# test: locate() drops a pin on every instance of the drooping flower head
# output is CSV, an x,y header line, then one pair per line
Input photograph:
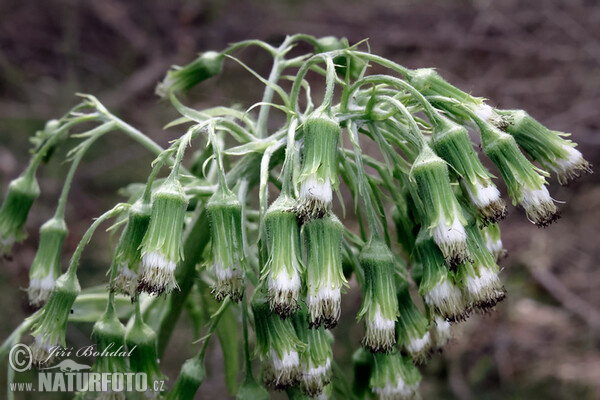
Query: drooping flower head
x,y
413,326
45,268
21,194
161,246
49,324
190,377
525,182
441,208
380,304
483,290
109,335
437,285
394,377
127,256
451,142
278,346
324,274
141,343
318,175
546,146
316,360
225,214
283,270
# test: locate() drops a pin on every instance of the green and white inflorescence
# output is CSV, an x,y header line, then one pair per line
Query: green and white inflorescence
x,y
250,218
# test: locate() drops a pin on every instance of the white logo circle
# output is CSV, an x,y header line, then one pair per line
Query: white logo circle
x,y
20,357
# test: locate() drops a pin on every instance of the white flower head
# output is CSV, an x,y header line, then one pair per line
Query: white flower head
x,y
571,167
282,372
451,238
324,307
486,197
39,289
315,377
284,290
380,335
484,290
126,281
539,206
446,299
442,332
230,281
158,274
42,350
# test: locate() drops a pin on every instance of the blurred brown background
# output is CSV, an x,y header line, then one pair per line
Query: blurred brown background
x,y
540,55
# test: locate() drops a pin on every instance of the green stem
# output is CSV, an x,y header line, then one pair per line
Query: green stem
x,y
246,342
263,114
116,210
94,135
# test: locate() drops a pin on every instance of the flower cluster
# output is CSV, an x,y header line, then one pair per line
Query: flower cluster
x,y
212,229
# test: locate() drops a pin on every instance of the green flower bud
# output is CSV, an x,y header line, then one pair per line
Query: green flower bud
x,y
380,304
190,378
429,82
394,377
451,142
318,175
493,241
483,290
127,256
362,361
413,328
545,146
278,345
22,192
437,284
141,343
523,180
109,334
49,324
45,268
443,213
161,247
316,360
182,79
252,390
324,273
225,214
283,269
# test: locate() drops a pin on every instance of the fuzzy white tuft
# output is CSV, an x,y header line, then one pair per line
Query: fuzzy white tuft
x,y
446,299
314,189
539,206
324,306
495,247
41,350
442,332
126,281
284,290
485,290
230,281
281,373
39,290
569,168
158,273
380,334
396,391
486,113
418,346
451,238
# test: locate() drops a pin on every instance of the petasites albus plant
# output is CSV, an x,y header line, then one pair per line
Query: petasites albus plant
x,y
202,234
